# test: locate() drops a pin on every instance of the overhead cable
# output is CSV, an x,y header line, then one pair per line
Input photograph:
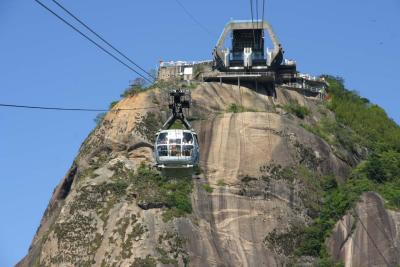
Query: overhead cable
x,y
262,17
91,40
101,38
370,237
252,22
257,13
72,109
263,10
193,18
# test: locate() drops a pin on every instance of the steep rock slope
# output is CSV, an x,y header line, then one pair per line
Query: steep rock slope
x,y
368,235
255,192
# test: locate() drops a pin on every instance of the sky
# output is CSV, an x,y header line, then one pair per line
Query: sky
x,y
43,62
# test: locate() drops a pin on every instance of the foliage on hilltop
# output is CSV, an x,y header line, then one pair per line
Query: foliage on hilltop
x,y
367,119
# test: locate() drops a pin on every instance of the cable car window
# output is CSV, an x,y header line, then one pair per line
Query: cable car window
x,y
175,141
187,150
162,151
162,138
187,138
175,150
195,137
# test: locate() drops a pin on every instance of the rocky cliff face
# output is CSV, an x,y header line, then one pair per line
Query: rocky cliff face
x,y
368,235
254,194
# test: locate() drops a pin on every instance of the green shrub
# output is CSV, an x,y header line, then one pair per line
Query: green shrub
x,y
172,213
137,86
208,188
99,118
178,194
174,194
368,120
297,110
131,91
382,171
335,133
285,242
390,191
326,261
234,108
146,262
112,104
221,182
384,166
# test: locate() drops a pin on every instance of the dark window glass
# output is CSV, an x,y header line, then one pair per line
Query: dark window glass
x,y
162,151
162,138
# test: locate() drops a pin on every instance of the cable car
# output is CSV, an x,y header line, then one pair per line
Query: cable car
x,y
177,149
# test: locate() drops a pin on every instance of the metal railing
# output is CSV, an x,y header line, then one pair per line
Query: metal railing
x,y
309,77
183,63
238,74
315,89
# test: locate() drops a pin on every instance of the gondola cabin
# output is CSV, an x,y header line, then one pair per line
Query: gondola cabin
x,y
176,149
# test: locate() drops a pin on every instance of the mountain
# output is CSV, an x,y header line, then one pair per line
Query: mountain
x,y
283,181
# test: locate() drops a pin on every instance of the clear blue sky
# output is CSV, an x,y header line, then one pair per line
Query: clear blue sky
x,y
42,62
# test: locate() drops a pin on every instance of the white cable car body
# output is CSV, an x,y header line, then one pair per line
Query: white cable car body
x,y
176,149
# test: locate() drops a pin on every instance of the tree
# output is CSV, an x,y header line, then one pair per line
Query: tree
x,y
138,83
136,86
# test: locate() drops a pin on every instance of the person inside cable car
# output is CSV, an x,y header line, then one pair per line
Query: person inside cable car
x,y
175,150
162,139
187,150
187,138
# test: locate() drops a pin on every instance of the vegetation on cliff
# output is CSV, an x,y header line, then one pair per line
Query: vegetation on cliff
x,y
357,123
297,109
153,190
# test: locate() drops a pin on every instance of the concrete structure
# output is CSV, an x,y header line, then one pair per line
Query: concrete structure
x,y
247,60
182,70
247,47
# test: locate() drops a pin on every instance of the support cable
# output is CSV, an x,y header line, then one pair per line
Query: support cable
x,y
257,14
101,38
72,109
252,21
348,236
263,10
91,40
370,237
193,18
262,22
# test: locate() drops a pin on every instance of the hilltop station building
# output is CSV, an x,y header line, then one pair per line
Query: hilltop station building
x,y
241,57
